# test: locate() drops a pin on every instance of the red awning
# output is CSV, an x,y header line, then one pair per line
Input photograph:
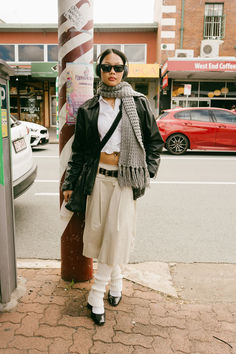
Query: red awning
x,y
201,69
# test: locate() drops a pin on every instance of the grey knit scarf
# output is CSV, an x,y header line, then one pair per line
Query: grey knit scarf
x,y
132,166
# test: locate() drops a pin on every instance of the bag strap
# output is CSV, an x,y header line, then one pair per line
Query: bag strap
x,y
111,129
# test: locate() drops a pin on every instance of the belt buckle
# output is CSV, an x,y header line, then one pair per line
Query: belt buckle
x,y
106,173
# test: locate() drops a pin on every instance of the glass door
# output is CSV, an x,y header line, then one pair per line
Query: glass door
x,y
53,111
190,102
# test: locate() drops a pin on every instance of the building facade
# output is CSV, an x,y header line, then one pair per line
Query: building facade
x,y
197,53
32,50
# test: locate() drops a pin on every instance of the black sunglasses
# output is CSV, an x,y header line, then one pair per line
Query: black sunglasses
x,y
106,68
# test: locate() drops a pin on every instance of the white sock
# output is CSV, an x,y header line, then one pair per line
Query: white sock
x,y
99,310
115,293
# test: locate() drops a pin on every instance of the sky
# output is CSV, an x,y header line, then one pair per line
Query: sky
x,y
105,11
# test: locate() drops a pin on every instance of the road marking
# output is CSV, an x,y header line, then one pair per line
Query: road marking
x,y
48,194
47,180
153,182
45,157
200,158
193,182
162,158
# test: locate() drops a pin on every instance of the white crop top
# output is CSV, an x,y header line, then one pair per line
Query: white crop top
x,y
105,119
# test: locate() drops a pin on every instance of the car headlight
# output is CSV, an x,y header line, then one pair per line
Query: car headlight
x,y
33,130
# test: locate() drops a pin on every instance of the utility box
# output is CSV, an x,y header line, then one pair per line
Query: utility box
x,y
8,277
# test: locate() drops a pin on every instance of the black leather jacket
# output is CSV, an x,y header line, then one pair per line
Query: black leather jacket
x,y
85,147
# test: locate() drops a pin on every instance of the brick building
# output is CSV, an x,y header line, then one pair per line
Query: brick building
x,y
197,52
32,51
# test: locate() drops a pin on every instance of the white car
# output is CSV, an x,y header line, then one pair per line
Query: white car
x,y
38,133
24,170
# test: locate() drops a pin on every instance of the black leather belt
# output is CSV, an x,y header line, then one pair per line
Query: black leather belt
x,y
108,173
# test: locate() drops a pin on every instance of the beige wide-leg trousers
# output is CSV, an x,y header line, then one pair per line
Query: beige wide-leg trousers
x,y
110,221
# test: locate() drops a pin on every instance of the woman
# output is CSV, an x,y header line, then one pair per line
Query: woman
x,y
115,176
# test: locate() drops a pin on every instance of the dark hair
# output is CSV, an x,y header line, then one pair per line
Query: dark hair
x,y
109,51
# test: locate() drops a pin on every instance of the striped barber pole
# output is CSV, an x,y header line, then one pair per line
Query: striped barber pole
x,y
75,40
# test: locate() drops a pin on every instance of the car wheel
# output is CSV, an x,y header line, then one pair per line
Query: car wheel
x,y
177,144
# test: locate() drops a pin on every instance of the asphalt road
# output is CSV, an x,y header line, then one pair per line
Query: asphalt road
x,y
187,215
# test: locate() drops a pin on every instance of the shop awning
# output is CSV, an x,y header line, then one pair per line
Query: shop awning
x,y
39,69
144,70
148,71
193,69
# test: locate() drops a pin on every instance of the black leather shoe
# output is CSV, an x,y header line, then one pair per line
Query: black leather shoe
x,y
98,319
114,300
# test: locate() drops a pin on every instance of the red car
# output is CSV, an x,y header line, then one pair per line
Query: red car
x,y
198,128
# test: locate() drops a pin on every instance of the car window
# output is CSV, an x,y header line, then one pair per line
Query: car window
x,y
163,115
200,115
224,116
14,121
182,115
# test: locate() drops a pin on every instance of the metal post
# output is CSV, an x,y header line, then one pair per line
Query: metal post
x,y
8,276
75,39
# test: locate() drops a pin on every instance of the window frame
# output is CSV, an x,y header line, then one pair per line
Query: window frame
x,y
45,51
99,51
211,24
28,45
14,53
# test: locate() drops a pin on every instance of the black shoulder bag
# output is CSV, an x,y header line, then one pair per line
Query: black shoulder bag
x,y
77,201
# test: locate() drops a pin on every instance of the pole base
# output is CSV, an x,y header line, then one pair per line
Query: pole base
x,y
74,266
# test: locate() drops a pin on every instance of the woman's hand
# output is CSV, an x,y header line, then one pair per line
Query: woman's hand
x,y
67,195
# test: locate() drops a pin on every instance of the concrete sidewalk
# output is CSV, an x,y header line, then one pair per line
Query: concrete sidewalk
x,y
192,310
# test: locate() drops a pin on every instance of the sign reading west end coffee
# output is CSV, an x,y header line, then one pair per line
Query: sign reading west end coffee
x,y
201,65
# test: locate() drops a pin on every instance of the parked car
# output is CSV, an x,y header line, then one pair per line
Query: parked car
x,y
24,170
198,128
38,133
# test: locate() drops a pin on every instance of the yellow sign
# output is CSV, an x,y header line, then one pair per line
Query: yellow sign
x,y
144,70
4,123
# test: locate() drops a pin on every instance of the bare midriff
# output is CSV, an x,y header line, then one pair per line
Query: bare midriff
x,y
110,159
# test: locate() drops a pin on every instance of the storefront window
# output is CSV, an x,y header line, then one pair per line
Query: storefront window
x,y
26,102
7,52
31,53
52,52
179,89
143,88
231,89
212,89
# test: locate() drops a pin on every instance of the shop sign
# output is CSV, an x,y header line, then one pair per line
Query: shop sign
x,y
165,81
3,111
187,89
201,65
39,69
79,88
1,156
144,70
1,145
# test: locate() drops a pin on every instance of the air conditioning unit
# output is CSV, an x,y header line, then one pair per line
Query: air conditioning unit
x,y
184,53
164,46
210,48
